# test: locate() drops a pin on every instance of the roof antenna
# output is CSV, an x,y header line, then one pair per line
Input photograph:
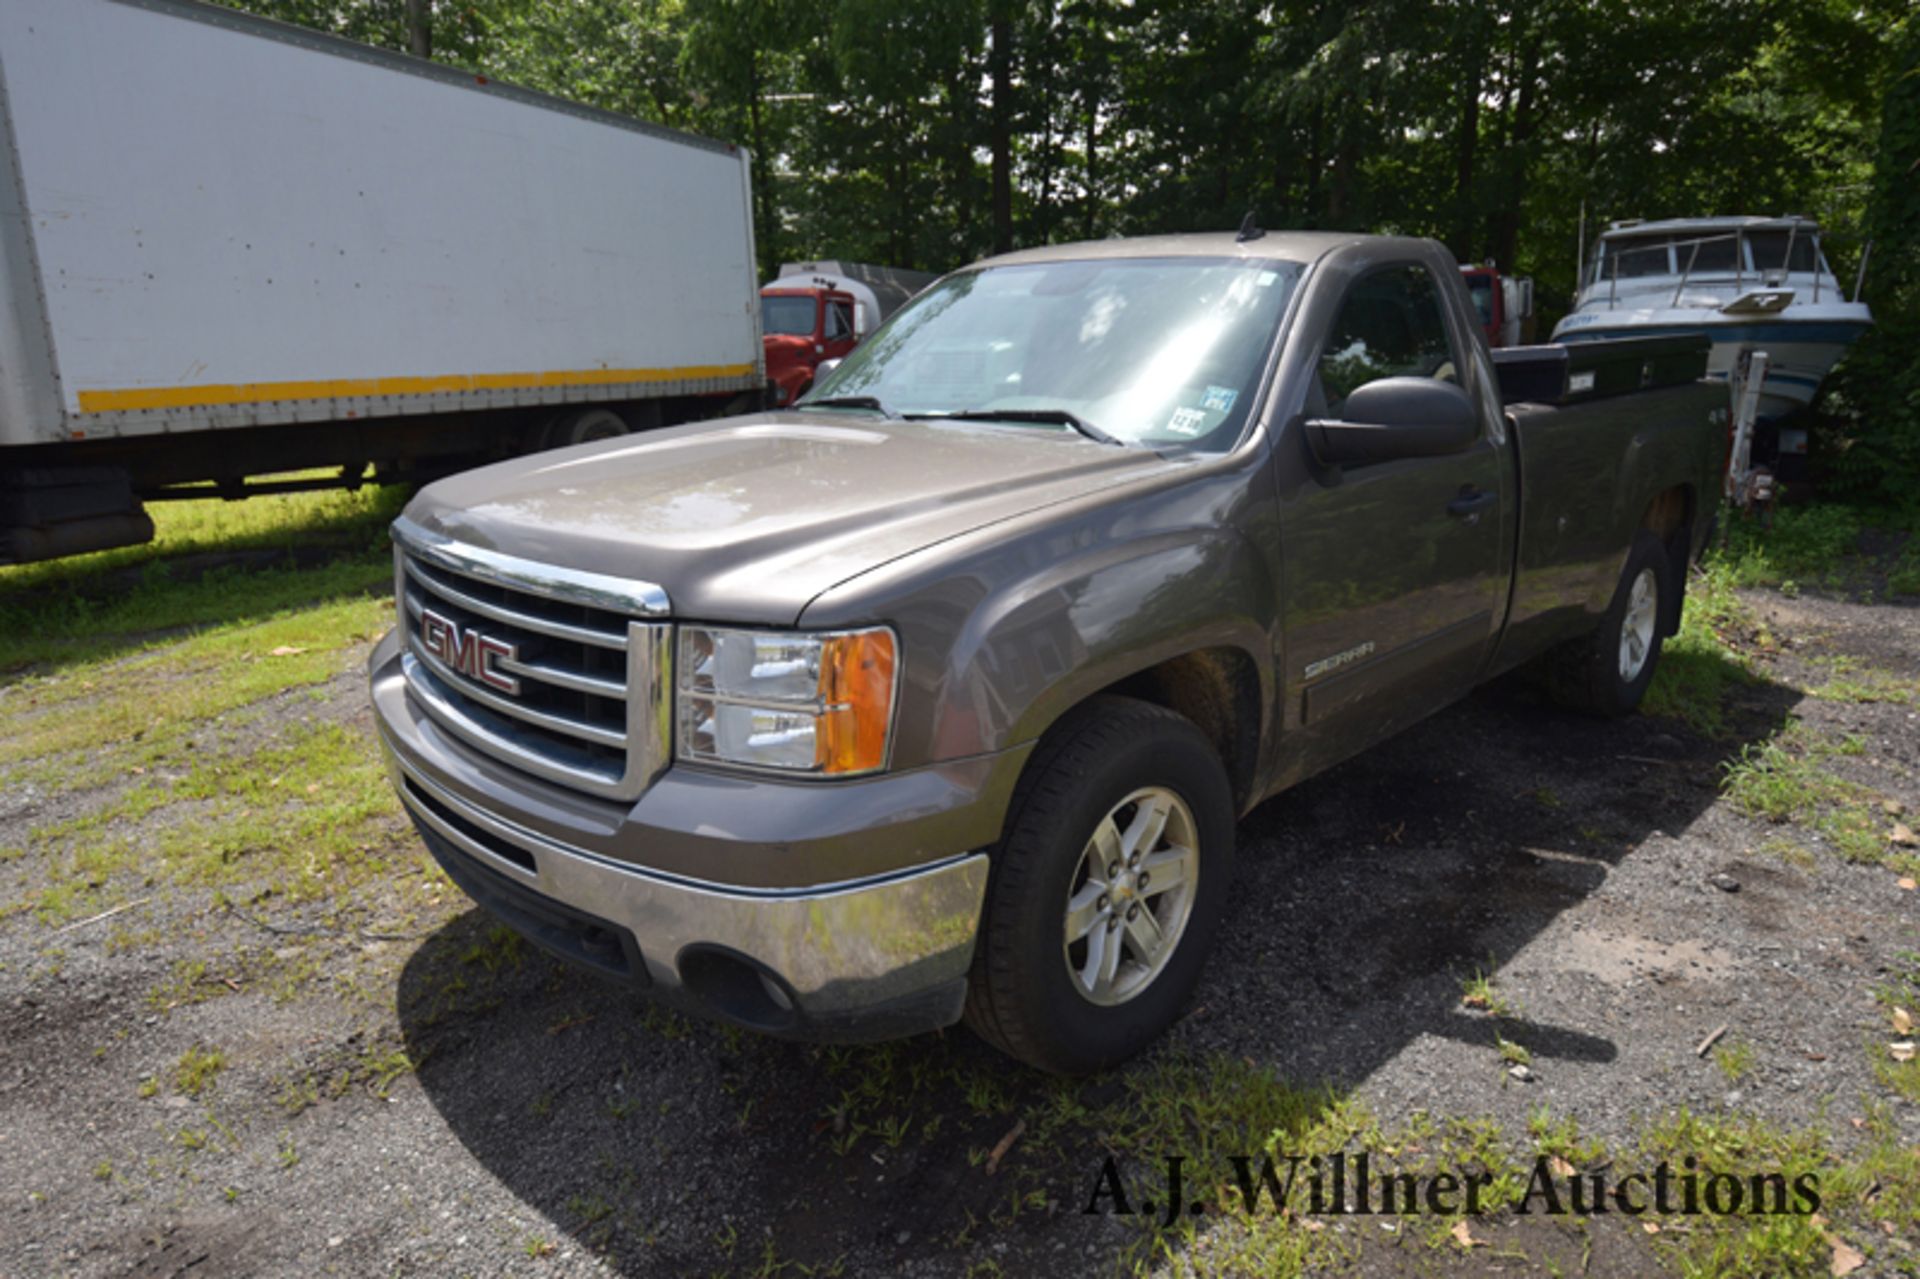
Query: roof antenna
x,y
1249,229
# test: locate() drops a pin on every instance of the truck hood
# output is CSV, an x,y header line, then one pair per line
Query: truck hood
x,y
749,519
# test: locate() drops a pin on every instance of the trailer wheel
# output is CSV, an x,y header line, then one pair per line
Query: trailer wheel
x,y
583,426
1108,886
1607,673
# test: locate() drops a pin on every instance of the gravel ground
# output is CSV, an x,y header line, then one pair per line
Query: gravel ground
x,y
406,1091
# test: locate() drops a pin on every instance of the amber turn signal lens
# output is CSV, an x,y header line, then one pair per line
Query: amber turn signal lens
x,y
856,693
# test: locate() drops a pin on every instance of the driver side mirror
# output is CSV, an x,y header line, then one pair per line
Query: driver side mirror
x,y
1396,417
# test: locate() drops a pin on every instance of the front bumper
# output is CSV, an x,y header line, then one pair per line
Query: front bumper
x,y
870,958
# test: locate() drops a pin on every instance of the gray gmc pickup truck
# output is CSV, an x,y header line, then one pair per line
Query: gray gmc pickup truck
x,y
939,695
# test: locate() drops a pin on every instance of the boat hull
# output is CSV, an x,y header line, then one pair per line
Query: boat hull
x,y
1800,350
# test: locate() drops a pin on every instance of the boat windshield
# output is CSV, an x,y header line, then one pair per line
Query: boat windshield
x,y
1711,254
1769,251
1151,351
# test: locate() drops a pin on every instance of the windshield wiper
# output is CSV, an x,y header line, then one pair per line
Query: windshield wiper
x,y
1059,417
873,402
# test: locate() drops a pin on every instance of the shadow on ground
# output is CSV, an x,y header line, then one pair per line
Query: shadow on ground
x,y
667,1146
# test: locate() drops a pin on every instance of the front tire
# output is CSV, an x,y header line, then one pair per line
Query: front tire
x,y
1107,888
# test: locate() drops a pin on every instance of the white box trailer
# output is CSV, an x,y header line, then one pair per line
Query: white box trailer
x,y
231,247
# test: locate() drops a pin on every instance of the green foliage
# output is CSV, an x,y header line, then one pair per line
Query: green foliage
x,y
1873,397
1702,665
1802,544
876,125
195,1072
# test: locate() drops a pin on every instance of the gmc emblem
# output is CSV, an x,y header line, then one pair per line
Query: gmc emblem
x,y
468,651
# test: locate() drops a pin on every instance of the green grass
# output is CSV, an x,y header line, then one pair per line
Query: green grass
x,y
1856,1191
1708,659
1735,1060
1512,1053
197,1069
89,606
1479,991
1210,1110
1788,780
1899,999
1852,680
1703,663
1805,543
1821,545
189,703
1904,577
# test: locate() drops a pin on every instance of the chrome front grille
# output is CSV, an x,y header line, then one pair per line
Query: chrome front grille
x,y
552,671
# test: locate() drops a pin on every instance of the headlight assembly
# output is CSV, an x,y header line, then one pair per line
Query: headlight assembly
x,y
786,701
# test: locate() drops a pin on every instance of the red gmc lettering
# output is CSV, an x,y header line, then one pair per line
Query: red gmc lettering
x,y
467,651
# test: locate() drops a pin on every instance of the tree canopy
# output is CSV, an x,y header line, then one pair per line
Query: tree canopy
x,y
927,133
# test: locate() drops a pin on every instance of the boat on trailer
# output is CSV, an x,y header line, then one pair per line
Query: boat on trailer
x,y
1747,283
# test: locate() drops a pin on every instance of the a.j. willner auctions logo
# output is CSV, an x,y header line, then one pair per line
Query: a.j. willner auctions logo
x,y
1347,1185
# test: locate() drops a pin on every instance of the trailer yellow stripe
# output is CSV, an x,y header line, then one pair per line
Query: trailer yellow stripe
x,y
214,394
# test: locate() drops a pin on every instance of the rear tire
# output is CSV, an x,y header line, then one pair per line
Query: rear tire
x,y
583,426
1081,965
1608,672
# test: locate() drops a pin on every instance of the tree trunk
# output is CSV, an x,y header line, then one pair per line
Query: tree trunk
x,y
1002,129
420,28
765,215
1316,159
1340,190
1466,144
1505,241
1049,153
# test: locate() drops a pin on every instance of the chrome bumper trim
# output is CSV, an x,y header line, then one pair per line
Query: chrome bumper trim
x,y
840,947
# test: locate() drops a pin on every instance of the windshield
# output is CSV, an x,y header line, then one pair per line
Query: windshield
x,y
1158,351
787,315
1480,289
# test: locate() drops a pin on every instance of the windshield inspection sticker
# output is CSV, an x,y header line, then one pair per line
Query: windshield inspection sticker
x,y
1219,399
1186,421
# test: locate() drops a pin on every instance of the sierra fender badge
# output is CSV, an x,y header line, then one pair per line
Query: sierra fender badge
x,y
1325,664
467,651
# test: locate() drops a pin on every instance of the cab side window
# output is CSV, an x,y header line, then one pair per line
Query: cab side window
x,y
839,321
1391,325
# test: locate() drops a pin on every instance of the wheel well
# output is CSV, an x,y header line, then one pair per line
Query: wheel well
x,y
1669,517
1219,690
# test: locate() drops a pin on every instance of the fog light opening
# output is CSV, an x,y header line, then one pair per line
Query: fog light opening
x,y
737,988
775,993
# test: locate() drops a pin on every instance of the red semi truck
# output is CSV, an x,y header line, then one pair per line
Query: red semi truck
x,y
1504,304
819,311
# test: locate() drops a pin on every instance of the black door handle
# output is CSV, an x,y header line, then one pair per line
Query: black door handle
x,y
1470,503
